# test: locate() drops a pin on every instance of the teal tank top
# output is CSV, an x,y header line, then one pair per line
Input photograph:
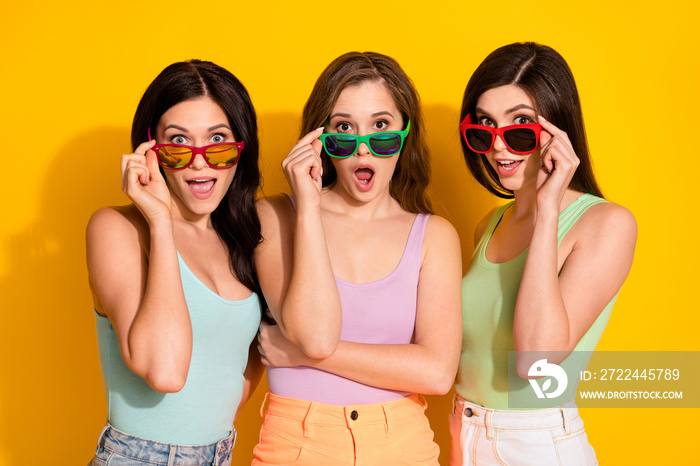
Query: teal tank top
x,y
203,411
489,292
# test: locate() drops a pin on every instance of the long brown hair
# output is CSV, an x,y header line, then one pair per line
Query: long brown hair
x,y
546,77
412,173
235,219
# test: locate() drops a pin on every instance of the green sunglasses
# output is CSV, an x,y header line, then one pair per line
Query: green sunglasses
x,y
382,144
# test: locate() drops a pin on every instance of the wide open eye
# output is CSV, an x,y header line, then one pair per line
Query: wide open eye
x,y
522,120
486,121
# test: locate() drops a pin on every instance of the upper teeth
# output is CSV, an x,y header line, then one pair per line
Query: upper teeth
x,y
507,162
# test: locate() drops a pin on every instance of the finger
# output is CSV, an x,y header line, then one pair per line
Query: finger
x,y
317,170
304,163
135,176
551,128
141,168
126,158
547,162
144,146
304,142
153,167
309,138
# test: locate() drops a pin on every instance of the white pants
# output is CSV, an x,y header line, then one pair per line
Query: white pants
x,y
545,437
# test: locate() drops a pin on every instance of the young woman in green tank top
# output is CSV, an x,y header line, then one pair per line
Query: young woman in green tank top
x,y
547,266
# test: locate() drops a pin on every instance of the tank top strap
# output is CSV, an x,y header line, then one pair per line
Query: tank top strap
x,y
291,201
573,212
414,244
491,226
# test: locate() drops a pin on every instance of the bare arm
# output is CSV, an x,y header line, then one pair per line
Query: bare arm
x,y
253,373
429,364
555,308
293,264
135,277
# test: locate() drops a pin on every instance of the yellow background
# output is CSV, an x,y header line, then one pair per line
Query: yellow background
x,y
72,74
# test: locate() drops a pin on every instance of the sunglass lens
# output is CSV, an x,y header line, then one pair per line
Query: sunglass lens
x,y
225,155
340,145
479,140
385,144
174,157
521,139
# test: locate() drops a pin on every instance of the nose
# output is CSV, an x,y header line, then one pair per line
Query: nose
x,y
363,149
498,144
198,163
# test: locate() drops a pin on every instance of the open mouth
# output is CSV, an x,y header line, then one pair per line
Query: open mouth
x,y
202,187
364,177
508,167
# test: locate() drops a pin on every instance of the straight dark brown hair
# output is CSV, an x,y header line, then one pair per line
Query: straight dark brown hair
x,y
235,219
412,174
546,77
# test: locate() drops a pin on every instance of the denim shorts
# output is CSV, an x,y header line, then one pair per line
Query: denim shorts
x,y
116,448
545,437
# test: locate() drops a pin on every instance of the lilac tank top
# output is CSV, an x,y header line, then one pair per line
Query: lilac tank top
x,y
381,312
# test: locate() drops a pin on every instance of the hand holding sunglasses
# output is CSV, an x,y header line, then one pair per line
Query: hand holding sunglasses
x,y
179,156
382,144
303,169
143,183
519,139
559,163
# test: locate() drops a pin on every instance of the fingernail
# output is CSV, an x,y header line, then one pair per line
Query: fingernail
x,y
320,128
540,117
321,172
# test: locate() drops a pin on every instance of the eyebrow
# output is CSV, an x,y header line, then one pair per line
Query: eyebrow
x,y
347,115
184,130
179,128
519,107
222,125
509,111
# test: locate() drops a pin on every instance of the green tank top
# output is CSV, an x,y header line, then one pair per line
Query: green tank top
x,y
489,292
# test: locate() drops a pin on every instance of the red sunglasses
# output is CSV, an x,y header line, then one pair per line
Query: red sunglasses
x,y
178,156
519,139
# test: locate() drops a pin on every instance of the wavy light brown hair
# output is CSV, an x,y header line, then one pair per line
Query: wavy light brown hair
x,y
412,173
546,77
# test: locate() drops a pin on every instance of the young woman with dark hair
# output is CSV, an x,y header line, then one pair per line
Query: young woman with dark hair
x,y
362,281
547,266
172,277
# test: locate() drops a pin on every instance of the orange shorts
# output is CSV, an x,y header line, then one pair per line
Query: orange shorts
x,y
309,433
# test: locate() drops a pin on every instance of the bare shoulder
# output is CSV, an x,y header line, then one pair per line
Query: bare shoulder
x,y
117,243
439,227
439,233
116,222
607,233
608,219
276,218
273,207
481,226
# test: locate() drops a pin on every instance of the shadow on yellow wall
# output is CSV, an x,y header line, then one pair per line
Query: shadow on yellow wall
x,y
52,396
